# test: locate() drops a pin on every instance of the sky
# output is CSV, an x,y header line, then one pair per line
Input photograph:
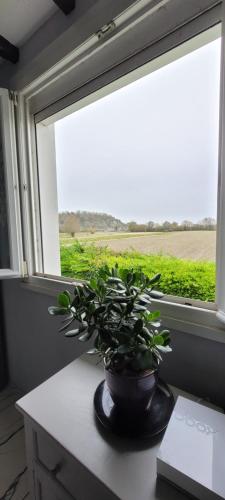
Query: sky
x,y
148,151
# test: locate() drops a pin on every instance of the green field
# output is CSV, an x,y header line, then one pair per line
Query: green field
x,y
188,278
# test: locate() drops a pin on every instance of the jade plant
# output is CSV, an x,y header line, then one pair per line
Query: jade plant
x,y
113,309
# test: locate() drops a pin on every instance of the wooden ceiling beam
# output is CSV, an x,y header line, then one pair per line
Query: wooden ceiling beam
x,y
8,51
65,5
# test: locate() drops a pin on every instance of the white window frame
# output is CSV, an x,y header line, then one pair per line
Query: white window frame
x,y
12,188
52,92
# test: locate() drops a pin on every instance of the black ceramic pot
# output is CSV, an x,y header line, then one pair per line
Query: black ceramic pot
x,y
131,392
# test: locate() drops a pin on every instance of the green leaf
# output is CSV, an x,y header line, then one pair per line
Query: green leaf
x,y
130,278
164,348
135,289
145,299
72,333
129,307
155,294
116,290
63,300
147,332
142,339
139,308
86,336
158,340
155,279
165,333
114,280
117,299
64,327
142,347
91,308
157,354
55,311
116,308
77,291
153,315
123,349
156,324
138,326
67,293
99,310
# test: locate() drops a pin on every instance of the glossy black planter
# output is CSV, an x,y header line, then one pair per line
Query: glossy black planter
x,y
131,393
152,421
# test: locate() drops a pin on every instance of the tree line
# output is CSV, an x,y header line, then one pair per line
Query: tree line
x,y
206,224
76,222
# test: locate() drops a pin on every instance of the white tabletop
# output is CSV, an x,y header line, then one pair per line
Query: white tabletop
x,y
63,407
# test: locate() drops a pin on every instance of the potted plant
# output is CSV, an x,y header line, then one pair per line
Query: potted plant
x,y
113,308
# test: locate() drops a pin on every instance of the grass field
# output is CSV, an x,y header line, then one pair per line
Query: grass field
x,y
194,245
186,260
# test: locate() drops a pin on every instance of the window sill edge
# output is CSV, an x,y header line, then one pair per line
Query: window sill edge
x,y
201,322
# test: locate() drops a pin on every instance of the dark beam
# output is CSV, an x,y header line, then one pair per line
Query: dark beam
x,y
8,51
66,5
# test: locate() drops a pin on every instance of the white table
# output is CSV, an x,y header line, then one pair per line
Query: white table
x,y
70,457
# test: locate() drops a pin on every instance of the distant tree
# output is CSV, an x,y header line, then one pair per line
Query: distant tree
x,y
132,226
100,221
116,226
157,226
141,228
166,226
187,224
208,222
174,226
150,225
71,224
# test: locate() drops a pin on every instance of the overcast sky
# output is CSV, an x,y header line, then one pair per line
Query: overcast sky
x,y
148,151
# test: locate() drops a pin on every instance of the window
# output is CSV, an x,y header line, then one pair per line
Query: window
x,y
133,170
159,44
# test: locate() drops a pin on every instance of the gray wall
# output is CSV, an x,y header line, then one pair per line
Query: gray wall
x,y
3,358
36,350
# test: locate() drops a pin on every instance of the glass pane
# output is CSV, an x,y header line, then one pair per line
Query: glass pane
x,y
137,177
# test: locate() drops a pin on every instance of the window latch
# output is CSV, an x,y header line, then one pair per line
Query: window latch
x,y
106,30
13,96
25,269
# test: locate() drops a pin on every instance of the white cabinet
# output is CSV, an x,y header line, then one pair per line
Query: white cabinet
x,y
54,472
70,458
47,487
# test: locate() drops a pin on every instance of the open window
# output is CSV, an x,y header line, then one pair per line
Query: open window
x,y
129,174
121,133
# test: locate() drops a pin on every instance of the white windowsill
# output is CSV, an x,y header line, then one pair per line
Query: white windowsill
x,y
8,273
199,321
